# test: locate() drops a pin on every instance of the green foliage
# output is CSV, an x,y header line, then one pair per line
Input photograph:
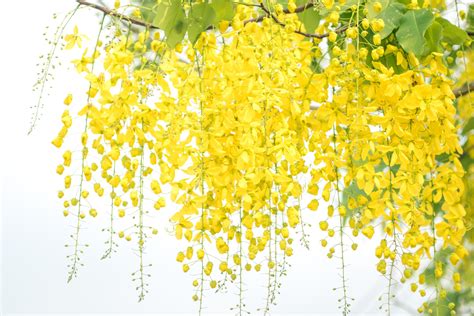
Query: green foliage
x,y
146,9
470,18
413,26
171,18
201,16
451,33
433,38
176,22
224,10
469,126
391,13
418,30
310,19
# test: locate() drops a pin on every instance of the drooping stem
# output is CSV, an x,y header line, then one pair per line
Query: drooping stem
x,y
75,260
45,72
345,307
433,232
392,264
240,264
202,174
141,239
109,251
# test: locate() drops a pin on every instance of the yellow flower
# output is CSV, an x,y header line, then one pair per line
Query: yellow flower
x,y
328,3
73,39
368,231
377,6
68,99
313,205
376,39
323,225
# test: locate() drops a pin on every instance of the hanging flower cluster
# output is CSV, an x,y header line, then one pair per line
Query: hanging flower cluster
x,y
251,127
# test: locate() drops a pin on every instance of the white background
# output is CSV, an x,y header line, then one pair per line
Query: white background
x,y
33,230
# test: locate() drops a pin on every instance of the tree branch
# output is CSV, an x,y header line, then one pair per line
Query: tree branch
x,y
298,9
116,14
466,88
258,19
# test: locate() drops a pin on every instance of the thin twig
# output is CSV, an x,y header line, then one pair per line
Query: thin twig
x,y
466,88
299,9
116,14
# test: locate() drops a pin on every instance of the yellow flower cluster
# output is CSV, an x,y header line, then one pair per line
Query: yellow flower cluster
x,y
239,128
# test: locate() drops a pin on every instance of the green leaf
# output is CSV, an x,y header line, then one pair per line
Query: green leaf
x,y
466,161
391,17
451,33
146,8
165,14
201,16
469,126
310,19
316,66
433,38
171,18
390,61
411,33
371,13
470,18
224,10
177,33
391,14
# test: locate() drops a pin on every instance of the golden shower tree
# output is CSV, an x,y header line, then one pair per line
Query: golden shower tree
x,y
254,119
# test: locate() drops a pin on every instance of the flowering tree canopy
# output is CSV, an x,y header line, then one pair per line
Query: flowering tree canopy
x,y
253,120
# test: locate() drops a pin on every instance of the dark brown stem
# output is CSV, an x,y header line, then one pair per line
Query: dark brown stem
x,y
466,88
114,13
298,9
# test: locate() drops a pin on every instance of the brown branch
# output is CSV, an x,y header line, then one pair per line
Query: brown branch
x,y
260,18
466,88
114,13
299,9
286,11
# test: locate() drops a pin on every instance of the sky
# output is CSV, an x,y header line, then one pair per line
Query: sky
x,y
33,230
